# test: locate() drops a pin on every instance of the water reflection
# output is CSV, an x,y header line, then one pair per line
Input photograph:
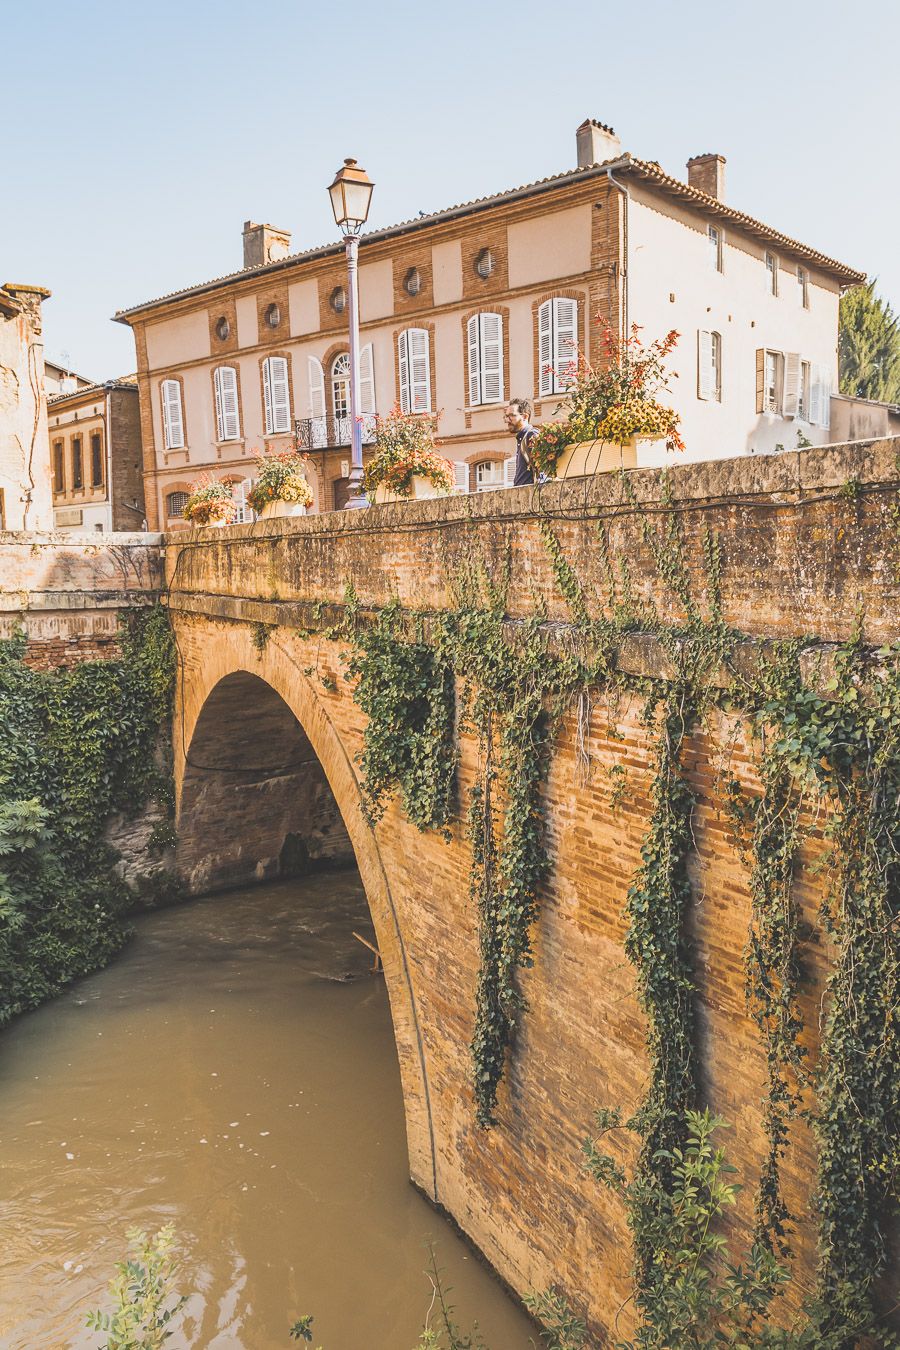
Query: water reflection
x,y
234,1072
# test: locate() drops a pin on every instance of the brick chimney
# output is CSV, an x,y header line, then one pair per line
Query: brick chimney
x,y
264,243
707,174
596,143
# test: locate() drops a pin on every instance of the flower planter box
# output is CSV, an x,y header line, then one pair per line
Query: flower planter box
x,y
421,488
589,457
271,510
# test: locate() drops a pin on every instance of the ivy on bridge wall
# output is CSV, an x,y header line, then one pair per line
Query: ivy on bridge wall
x,y
827,750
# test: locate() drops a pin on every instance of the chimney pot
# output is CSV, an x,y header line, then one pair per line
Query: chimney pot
x,y
706,173
596,143
264,243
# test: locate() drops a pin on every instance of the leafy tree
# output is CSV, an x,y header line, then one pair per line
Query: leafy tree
x,y
869,346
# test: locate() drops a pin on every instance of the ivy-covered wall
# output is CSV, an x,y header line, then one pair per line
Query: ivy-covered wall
x,y
85,764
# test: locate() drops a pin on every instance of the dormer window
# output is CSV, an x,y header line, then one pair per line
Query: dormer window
x,y
412,282
338,300
223,329
273,316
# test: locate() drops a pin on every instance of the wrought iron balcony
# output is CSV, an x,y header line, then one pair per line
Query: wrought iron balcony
x,y
330,433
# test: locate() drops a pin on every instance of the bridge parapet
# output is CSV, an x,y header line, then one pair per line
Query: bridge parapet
x,y
802,537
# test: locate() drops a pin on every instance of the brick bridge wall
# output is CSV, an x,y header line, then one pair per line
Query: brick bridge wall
x,y
802,554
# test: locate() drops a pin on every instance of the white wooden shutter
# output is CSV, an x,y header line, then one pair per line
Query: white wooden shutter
x,y
460,477
316,387
825,397
509,472
279,395
267,395
706,375
403,371
491,342
366,382
474,345
815,400
173,420
565,339
792,374
545,348
418,370
227,421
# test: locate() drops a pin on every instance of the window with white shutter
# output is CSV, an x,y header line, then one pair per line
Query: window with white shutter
x,y
509,472
557,344
485,344
709,366
460,476
276,395
172,414
790,406
803,398
414,365
773,382
227,421
366,382
824,397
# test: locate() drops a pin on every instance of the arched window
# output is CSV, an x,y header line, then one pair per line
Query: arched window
x,y
340,385
175,504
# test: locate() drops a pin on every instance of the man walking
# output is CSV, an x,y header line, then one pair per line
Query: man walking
x,y
518,421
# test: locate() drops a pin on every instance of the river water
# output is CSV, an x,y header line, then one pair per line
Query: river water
x,y
233,1072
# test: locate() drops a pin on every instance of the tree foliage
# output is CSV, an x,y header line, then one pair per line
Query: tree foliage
x,y
869,346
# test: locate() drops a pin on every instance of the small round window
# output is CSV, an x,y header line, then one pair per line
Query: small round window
x,y
273,316
484,264
338,300
223,329
412,282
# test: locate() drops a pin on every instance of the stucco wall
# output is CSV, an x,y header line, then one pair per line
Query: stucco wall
x,y
670,255
24,453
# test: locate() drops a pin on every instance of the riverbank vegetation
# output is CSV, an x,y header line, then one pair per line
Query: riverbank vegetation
x,y
76,746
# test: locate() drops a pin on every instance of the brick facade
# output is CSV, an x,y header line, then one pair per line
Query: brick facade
x,y
799,558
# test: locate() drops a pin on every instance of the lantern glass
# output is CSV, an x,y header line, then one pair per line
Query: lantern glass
x,y
351,193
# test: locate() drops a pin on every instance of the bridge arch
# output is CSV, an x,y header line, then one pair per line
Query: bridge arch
x,y
265,787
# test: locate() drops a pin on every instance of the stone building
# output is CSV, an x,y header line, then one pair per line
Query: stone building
x,y
471,305
95,457
25,502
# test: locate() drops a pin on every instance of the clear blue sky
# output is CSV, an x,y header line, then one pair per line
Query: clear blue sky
x,y
136,139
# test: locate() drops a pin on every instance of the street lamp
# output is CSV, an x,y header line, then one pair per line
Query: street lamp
x,y
351,193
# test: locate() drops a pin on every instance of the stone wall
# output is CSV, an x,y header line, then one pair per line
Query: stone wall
x,y
808,543
68,591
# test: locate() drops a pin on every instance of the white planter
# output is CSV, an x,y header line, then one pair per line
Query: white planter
x,y
590,457
271,510
421,488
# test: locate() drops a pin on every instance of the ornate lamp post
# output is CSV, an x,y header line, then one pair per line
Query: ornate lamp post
x,y
351,193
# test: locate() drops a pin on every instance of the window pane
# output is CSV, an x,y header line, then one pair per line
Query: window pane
x,y
96,460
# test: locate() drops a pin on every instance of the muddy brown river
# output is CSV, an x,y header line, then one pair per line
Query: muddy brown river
x,y
232,1072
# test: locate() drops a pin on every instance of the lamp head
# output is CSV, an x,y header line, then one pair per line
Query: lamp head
x,y
351,194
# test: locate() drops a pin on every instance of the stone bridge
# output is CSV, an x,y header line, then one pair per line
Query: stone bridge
x,y
267,743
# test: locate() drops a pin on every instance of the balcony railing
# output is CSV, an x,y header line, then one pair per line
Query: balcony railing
x,y
326,433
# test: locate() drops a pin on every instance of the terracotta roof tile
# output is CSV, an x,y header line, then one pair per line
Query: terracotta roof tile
x,y
648,172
